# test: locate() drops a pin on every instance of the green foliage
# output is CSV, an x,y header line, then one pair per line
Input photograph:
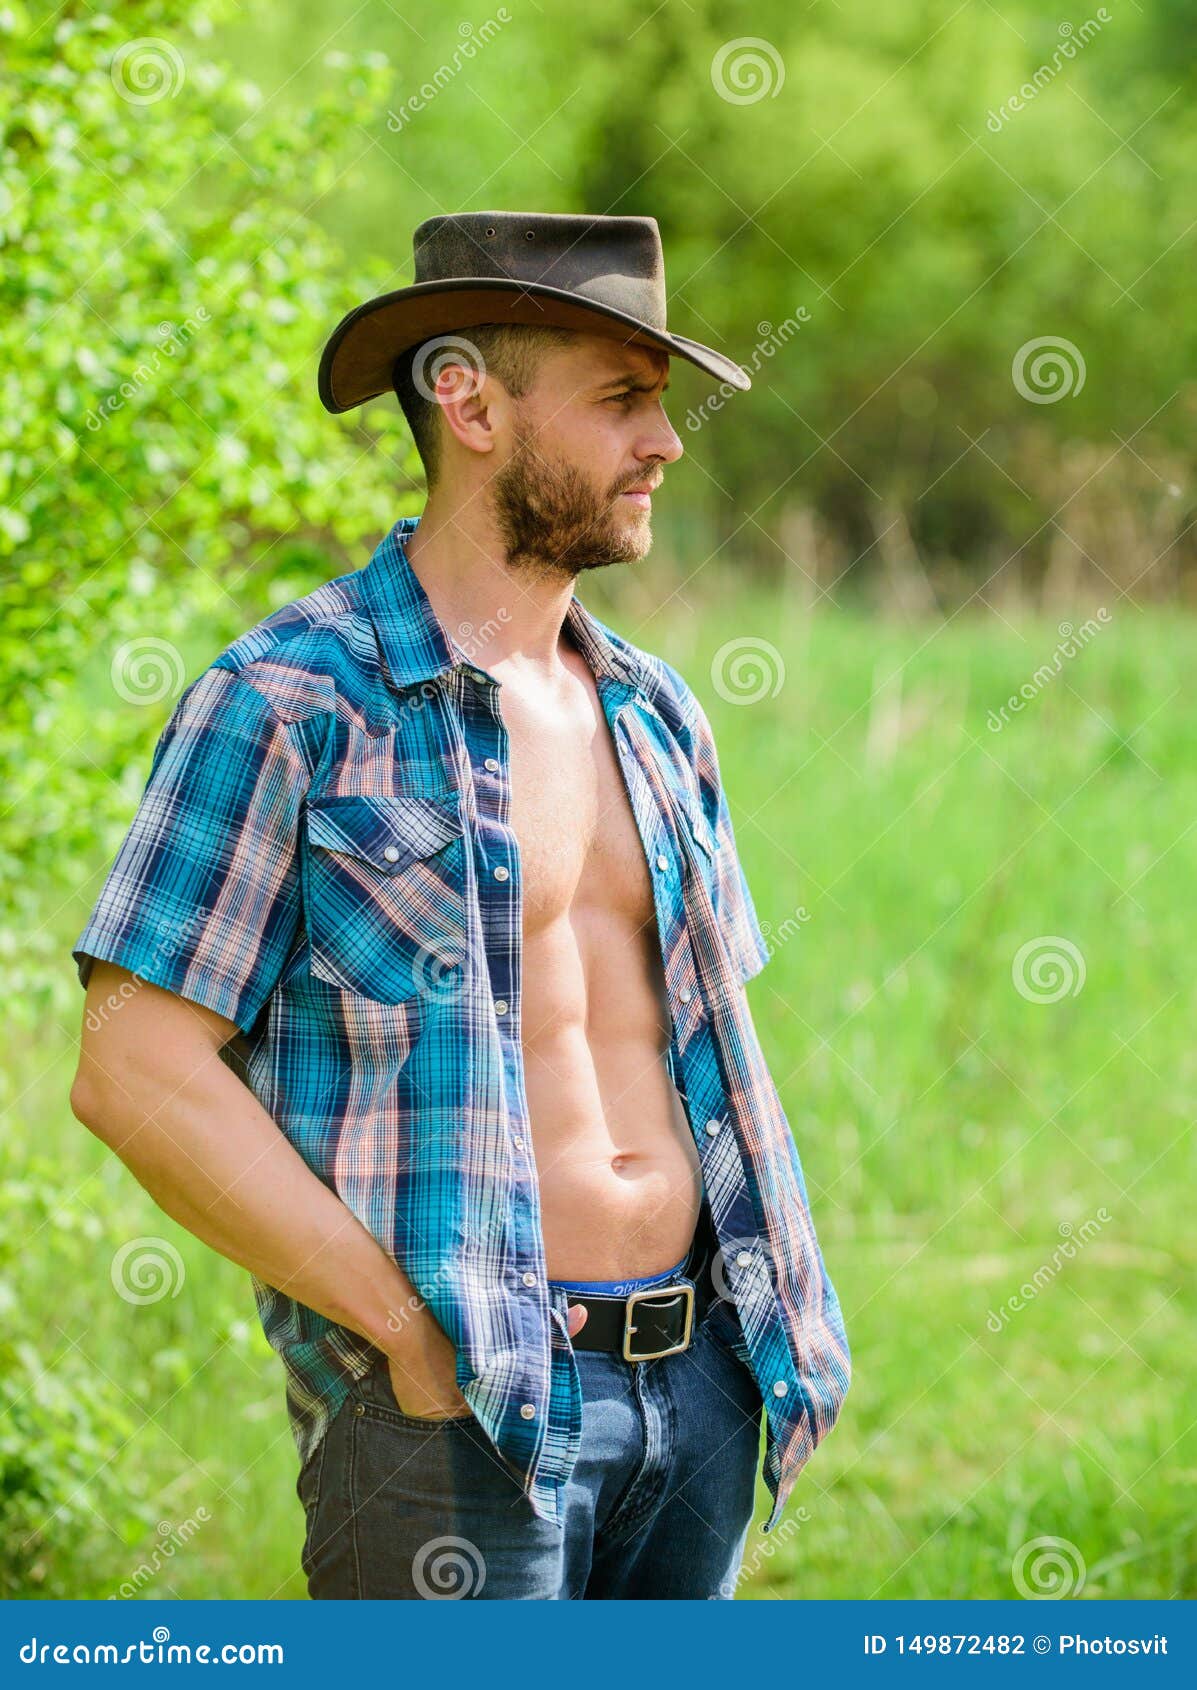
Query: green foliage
x,y
901,852
165,464
171,267
167,475
867,187
65,1492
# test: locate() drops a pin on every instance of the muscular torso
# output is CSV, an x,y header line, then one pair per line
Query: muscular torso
x,y
619,1175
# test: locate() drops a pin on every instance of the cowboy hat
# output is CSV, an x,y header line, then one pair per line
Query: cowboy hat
x,y
598,275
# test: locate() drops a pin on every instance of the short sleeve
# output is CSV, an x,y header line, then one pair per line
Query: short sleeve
x,y
203,896
734,907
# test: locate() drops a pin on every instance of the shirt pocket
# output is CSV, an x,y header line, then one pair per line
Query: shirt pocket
x,y
386,895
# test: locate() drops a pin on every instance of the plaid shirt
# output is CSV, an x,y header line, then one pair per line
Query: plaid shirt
x,y
322,854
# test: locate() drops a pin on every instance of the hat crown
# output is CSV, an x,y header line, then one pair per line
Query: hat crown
x,y
616,261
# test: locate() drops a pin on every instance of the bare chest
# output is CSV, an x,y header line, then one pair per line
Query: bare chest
x,y
572,817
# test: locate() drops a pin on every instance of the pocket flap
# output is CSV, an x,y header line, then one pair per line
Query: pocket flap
x,y
388,833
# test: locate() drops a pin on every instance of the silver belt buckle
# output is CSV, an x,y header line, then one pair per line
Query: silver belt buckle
x,y
657,1293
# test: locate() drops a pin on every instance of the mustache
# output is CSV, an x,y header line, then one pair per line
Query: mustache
x,y
640,482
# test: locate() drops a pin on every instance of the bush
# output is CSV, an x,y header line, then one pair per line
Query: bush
x,y
165,463
167,475
63,1490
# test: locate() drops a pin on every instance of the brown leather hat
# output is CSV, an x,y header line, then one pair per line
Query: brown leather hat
x,y
600,275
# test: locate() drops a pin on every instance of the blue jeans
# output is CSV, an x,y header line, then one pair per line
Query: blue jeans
x,y
658,1504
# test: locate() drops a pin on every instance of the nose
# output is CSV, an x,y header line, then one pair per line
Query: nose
x,y
662,444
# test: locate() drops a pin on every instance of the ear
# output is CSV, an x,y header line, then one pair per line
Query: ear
x,y
471,402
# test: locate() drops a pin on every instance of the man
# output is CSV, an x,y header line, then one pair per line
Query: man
x,y
438,939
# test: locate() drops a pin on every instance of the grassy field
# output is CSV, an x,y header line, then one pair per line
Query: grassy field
x,y
982,1127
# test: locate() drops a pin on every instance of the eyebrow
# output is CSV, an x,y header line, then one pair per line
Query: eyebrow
x,y
632,384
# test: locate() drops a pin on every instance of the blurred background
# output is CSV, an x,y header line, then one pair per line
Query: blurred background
x,y
933,578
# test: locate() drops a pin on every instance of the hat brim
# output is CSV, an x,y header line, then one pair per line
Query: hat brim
x,y
357,361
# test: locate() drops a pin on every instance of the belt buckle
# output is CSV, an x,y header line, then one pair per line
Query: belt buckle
x,y
656,1292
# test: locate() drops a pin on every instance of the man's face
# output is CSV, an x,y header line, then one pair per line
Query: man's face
x,y
588,444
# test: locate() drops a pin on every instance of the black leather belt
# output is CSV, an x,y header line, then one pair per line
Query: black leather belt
x,y
656,1321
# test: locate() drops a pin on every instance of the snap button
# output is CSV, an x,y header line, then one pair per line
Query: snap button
x,y
501,873
662,862
744,1260
713,1127
391,853
780,1388
527,1411
501,1006
492,763
685,994
529,1279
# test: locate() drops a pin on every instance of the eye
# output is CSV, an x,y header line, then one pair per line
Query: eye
x,y
620,398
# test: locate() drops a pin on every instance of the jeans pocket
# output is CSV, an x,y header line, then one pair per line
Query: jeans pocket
x,y
376,1396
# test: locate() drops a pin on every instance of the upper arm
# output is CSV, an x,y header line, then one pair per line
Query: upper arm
x,y
135,1037
203,899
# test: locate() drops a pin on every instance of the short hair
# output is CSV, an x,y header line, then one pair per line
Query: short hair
x,y
511,352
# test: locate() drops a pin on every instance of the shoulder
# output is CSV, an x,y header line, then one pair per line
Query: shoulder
x,y
303,661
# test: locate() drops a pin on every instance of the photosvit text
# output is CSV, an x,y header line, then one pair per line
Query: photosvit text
x,y
970,1643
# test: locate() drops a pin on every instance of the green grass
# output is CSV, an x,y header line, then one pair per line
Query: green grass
x,y
949,1127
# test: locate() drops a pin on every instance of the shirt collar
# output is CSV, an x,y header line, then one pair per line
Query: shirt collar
x,y
416,648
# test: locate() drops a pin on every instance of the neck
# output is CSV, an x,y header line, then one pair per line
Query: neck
x,y
496,613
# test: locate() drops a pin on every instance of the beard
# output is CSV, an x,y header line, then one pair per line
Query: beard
x,y
551,518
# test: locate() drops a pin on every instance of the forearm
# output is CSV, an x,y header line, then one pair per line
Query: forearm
x,y
213,1159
